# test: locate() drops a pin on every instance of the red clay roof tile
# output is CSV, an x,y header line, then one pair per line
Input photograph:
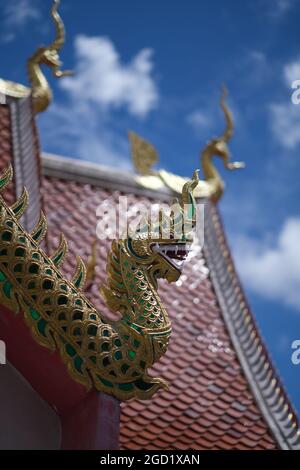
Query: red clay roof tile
x,y
208,393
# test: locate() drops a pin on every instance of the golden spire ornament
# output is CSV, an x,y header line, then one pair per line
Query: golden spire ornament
x,y
144,156
44,55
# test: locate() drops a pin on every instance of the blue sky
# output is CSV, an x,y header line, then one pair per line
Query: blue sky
x,y
156,68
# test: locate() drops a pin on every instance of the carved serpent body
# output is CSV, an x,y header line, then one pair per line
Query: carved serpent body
x,y
111,356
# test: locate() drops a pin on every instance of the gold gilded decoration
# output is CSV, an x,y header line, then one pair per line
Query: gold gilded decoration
x,y
111,356
144,156
92,263
44,55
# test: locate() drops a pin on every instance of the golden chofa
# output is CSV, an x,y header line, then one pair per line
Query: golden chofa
x,y
44,55
145,156
113,357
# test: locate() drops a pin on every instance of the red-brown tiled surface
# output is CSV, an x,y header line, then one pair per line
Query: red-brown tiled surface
x,y
208,404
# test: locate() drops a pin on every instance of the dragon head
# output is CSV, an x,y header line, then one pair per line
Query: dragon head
x,y
162,247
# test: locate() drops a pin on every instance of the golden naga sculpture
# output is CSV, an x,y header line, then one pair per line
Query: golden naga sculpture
x,y
44,55
111,356
145,156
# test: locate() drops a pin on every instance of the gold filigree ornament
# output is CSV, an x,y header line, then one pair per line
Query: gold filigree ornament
x,y
145,156
44,55
111,356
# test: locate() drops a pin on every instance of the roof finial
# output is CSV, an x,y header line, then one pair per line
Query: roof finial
x,y
44,55
47,55
218,147
144,156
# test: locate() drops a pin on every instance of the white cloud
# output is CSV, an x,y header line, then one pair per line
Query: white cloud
x,y
291,72
285,116
199,120
82,132
282,6
103,79
285,124
272,270
86,127
16,15
278,8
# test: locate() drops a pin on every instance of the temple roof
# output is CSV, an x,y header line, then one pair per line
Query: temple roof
x,y
223,389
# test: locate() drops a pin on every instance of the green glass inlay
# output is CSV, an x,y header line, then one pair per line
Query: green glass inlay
x,y
47,284
136,343
124,368
93,316
131,354
62,300
106,361
2,276
57,259
18,268
106,333
92,330
118,355
126,387
78,280
35,315
143,364
135,327
33,268
7,287
70,350
118,343
77,315
78,363
143,385
41,326
6,236
38,233
20,252
105,346
105,382
19,208
35,256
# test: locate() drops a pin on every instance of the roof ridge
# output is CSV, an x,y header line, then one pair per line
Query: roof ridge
x,y
255,361
96,174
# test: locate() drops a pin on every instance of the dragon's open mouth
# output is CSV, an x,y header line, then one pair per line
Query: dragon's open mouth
x,y
175,254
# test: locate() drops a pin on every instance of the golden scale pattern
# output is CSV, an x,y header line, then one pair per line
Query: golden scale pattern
x,y
113,357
